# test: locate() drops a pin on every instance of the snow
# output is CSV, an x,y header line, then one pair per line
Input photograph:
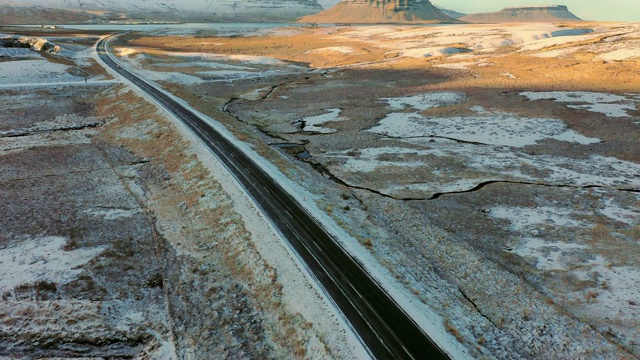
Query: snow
x,y
34,71
253,66
204,64
619,55
425,101
432,51
300,294
248,59
619,213
304,297
42,259
311,122
537,39
549,256
497,129
255,94
368,159
609,104
622,289
18,52
345,50
229,74
523,219
112,214
484,163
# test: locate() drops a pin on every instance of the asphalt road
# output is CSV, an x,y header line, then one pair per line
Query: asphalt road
x,y
384,328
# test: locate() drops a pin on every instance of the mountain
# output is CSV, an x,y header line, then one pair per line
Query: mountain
x,y
328,3
541,13
380,11
452,13
61,11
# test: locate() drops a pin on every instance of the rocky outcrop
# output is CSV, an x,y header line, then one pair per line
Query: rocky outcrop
x,y
159,10
542,13
381,11
33,43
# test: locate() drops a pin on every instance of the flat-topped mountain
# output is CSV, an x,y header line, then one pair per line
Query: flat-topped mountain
x,y
381,11
539,13
70,11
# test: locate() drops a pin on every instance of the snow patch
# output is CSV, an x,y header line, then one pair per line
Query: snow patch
x,y
619,55
42,259
425,101
525,219
609,104
113,214
622,289
311,123
345,50
456,66
548,255
482,163
498,129
618,213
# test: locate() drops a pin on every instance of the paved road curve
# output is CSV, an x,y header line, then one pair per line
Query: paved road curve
x,y
385,329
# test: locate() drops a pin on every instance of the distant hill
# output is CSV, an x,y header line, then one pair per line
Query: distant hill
x,y
76,11
381,11
454,14
540,13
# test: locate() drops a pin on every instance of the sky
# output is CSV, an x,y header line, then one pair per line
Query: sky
x,y
607,10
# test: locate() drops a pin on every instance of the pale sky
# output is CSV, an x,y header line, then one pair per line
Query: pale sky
x,y
600,10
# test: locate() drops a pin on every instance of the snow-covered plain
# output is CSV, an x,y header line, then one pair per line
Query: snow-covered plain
x,y
497,129
35,71
487,145
541,40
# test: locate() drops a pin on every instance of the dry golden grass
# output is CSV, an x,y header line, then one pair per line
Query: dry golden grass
x,y
294,48
185,188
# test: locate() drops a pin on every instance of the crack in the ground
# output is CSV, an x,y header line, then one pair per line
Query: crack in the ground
x,y
329,175
481,185
435,137
276,87
27,132
476,308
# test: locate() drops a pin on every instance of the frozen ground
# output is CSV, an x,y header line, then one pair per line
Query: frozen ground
x,y
442,167
194,68
42,260
486,147
35,71
84,181
611,105
482,40
311,123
